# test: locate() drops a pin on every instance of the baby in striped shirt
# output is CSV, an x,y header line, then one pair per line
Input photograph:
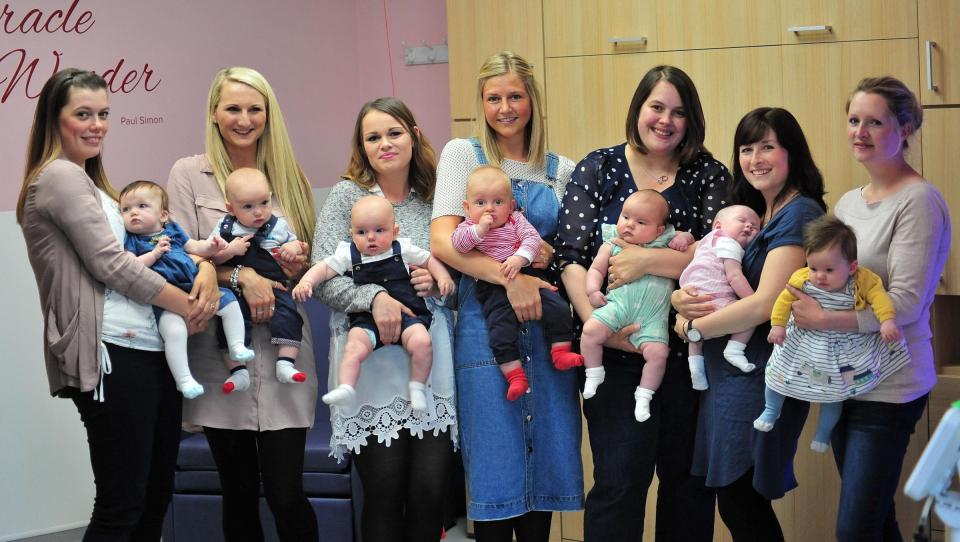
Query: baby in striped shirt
x,y
494,227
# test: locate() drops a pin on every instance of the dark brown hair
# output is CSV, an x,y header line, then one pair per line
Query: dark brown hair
x,y
423,163
803,175
44,145
827,232
693,138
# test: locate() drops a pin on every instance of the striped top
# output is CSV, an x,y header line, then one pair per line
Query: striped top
x,y
516,237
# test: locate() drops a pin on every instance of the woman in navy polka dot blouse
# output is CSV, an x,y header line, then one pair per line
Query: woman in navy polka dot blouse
x,y
664,151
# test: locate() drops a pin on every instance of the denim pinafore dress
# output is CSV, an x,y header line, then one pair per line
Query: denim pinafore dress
x,y
521,455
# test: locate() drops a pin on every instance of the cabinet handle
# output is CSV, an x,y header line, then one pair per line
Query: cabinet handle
x,y
814,28
930,85
640,40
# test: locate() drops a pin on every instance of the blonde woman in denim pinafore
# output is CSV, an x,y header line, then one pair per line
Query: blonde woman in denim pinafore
x,y
522,458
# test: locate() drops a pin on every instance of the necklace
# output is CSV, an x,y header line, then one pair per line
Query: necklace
x,y
661,179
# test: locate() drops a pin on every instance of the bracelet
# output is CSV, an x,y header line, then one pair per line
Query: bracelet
x,y
234,278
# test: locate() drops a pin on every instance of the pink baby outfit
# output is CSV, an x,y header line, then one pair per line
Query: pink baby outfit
x,y
706,273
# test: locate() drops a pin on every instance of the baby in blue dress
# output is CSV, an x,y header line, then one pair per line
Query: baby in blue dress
x,y
162,245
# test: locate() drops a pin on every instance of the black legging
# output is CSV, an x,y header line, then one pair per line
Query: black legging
x,y
530,527
748,514
243,459
404,487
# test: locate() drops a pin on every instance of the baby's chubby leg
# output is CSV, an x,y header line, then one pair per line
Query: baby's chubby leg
x,y
358,347
416,341
173,329
655,355
595,333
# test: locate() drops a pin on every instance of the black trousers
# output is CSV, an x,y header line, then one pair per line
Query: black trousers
x,y
134,436
245,459
405,487
502,324
530,527
748,514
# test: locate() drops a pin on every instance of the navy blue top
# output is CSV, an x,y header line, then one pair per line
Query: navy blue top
x,y
727,445
176,266
600,184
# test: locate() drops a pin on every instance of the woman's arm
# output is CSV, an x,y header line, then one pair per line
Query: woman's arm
x,y
754,310
634,262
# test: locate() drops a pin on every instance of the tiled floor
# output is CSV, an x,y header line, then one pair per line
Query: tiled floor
x,y
457,534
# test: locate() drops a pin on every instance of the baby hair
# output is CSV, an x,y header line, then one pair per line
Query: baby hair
x,y
827,232
478,175
653,195
150,187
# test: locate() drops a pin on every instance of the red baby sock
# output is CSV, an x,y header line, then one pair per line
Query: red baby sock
x,y
518,384
563,358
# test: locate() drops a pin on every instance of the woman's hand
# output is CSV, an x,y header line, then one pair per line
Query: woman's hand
x,y
544,257
258,292
680,327
387,313
807,312
293,264
423,282
204,296
621,339
523,292
630,264
691,304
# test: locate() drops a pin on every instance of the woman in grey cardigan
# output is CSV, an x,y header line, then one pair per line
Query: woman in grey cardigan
x,y
102,348
903,234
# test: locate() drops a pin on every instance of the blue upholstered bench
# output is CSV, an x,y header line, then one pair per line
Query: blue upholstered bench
x,y
333,490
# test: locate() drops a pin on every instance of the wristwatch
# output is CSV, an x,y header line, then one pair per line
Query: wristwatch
x,y
693,334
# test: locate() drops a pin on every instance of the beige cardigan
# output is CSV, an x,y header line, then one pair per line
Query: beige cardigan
x,y
74,253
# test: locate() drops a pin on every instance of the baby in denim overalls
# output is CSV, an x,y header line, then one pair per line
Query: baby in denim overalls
x,y
495,228
258,239
162,245
644,301
377,256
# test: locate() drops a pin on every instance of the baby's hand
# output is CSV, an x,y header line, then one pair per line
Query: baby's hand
x,y
238,247
163,246
597,299
289,251
889,332
484,224
303,290
511,266
217,243
446,286
777,335
682,241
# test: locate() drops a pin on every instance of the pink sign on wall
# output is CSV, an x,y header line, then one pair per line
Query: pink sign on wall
x,y
159,58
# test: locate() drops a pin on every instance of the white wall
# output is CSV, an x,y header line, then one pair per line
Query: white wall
x,y
45,479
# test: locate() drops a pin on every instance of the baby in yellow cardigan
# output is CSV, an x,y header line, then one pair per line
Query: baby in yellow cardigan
x,y
829,366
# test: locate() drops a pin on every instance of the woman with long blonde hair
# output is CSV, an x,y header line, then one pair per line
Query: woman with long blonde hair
x,y
258,432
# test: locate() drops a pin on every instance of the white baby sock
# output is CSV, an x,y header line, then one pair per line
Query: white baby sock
x,y
595,376
697,374
733,353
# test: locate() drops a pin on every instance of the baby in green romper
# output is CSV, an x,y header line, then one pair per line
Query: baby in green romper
x,y
645,301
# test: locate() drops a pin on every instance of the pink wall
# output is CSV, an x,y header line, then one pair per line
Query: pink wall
x,y
324,59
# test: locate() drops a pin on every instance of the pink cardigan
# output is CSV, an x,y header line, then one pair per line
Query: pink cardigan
x,y
74,253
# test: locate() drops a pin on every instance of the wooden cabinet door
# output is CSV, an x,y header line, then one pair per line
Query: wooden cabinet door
x,y
480,28
708,24
848,20
589,96
587,27
816,87
939,22
941,132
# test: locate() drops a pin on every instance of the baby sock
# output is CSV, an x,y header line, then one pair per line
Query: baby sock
x,y
239,380
287,373
563,358
339,395
418,399
733,353
642,411
241,353
595,377
518,384
819,447
190,388
697,374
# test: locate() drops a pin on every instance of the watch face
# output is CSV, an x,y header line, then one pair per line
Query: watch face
x,y
694,335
